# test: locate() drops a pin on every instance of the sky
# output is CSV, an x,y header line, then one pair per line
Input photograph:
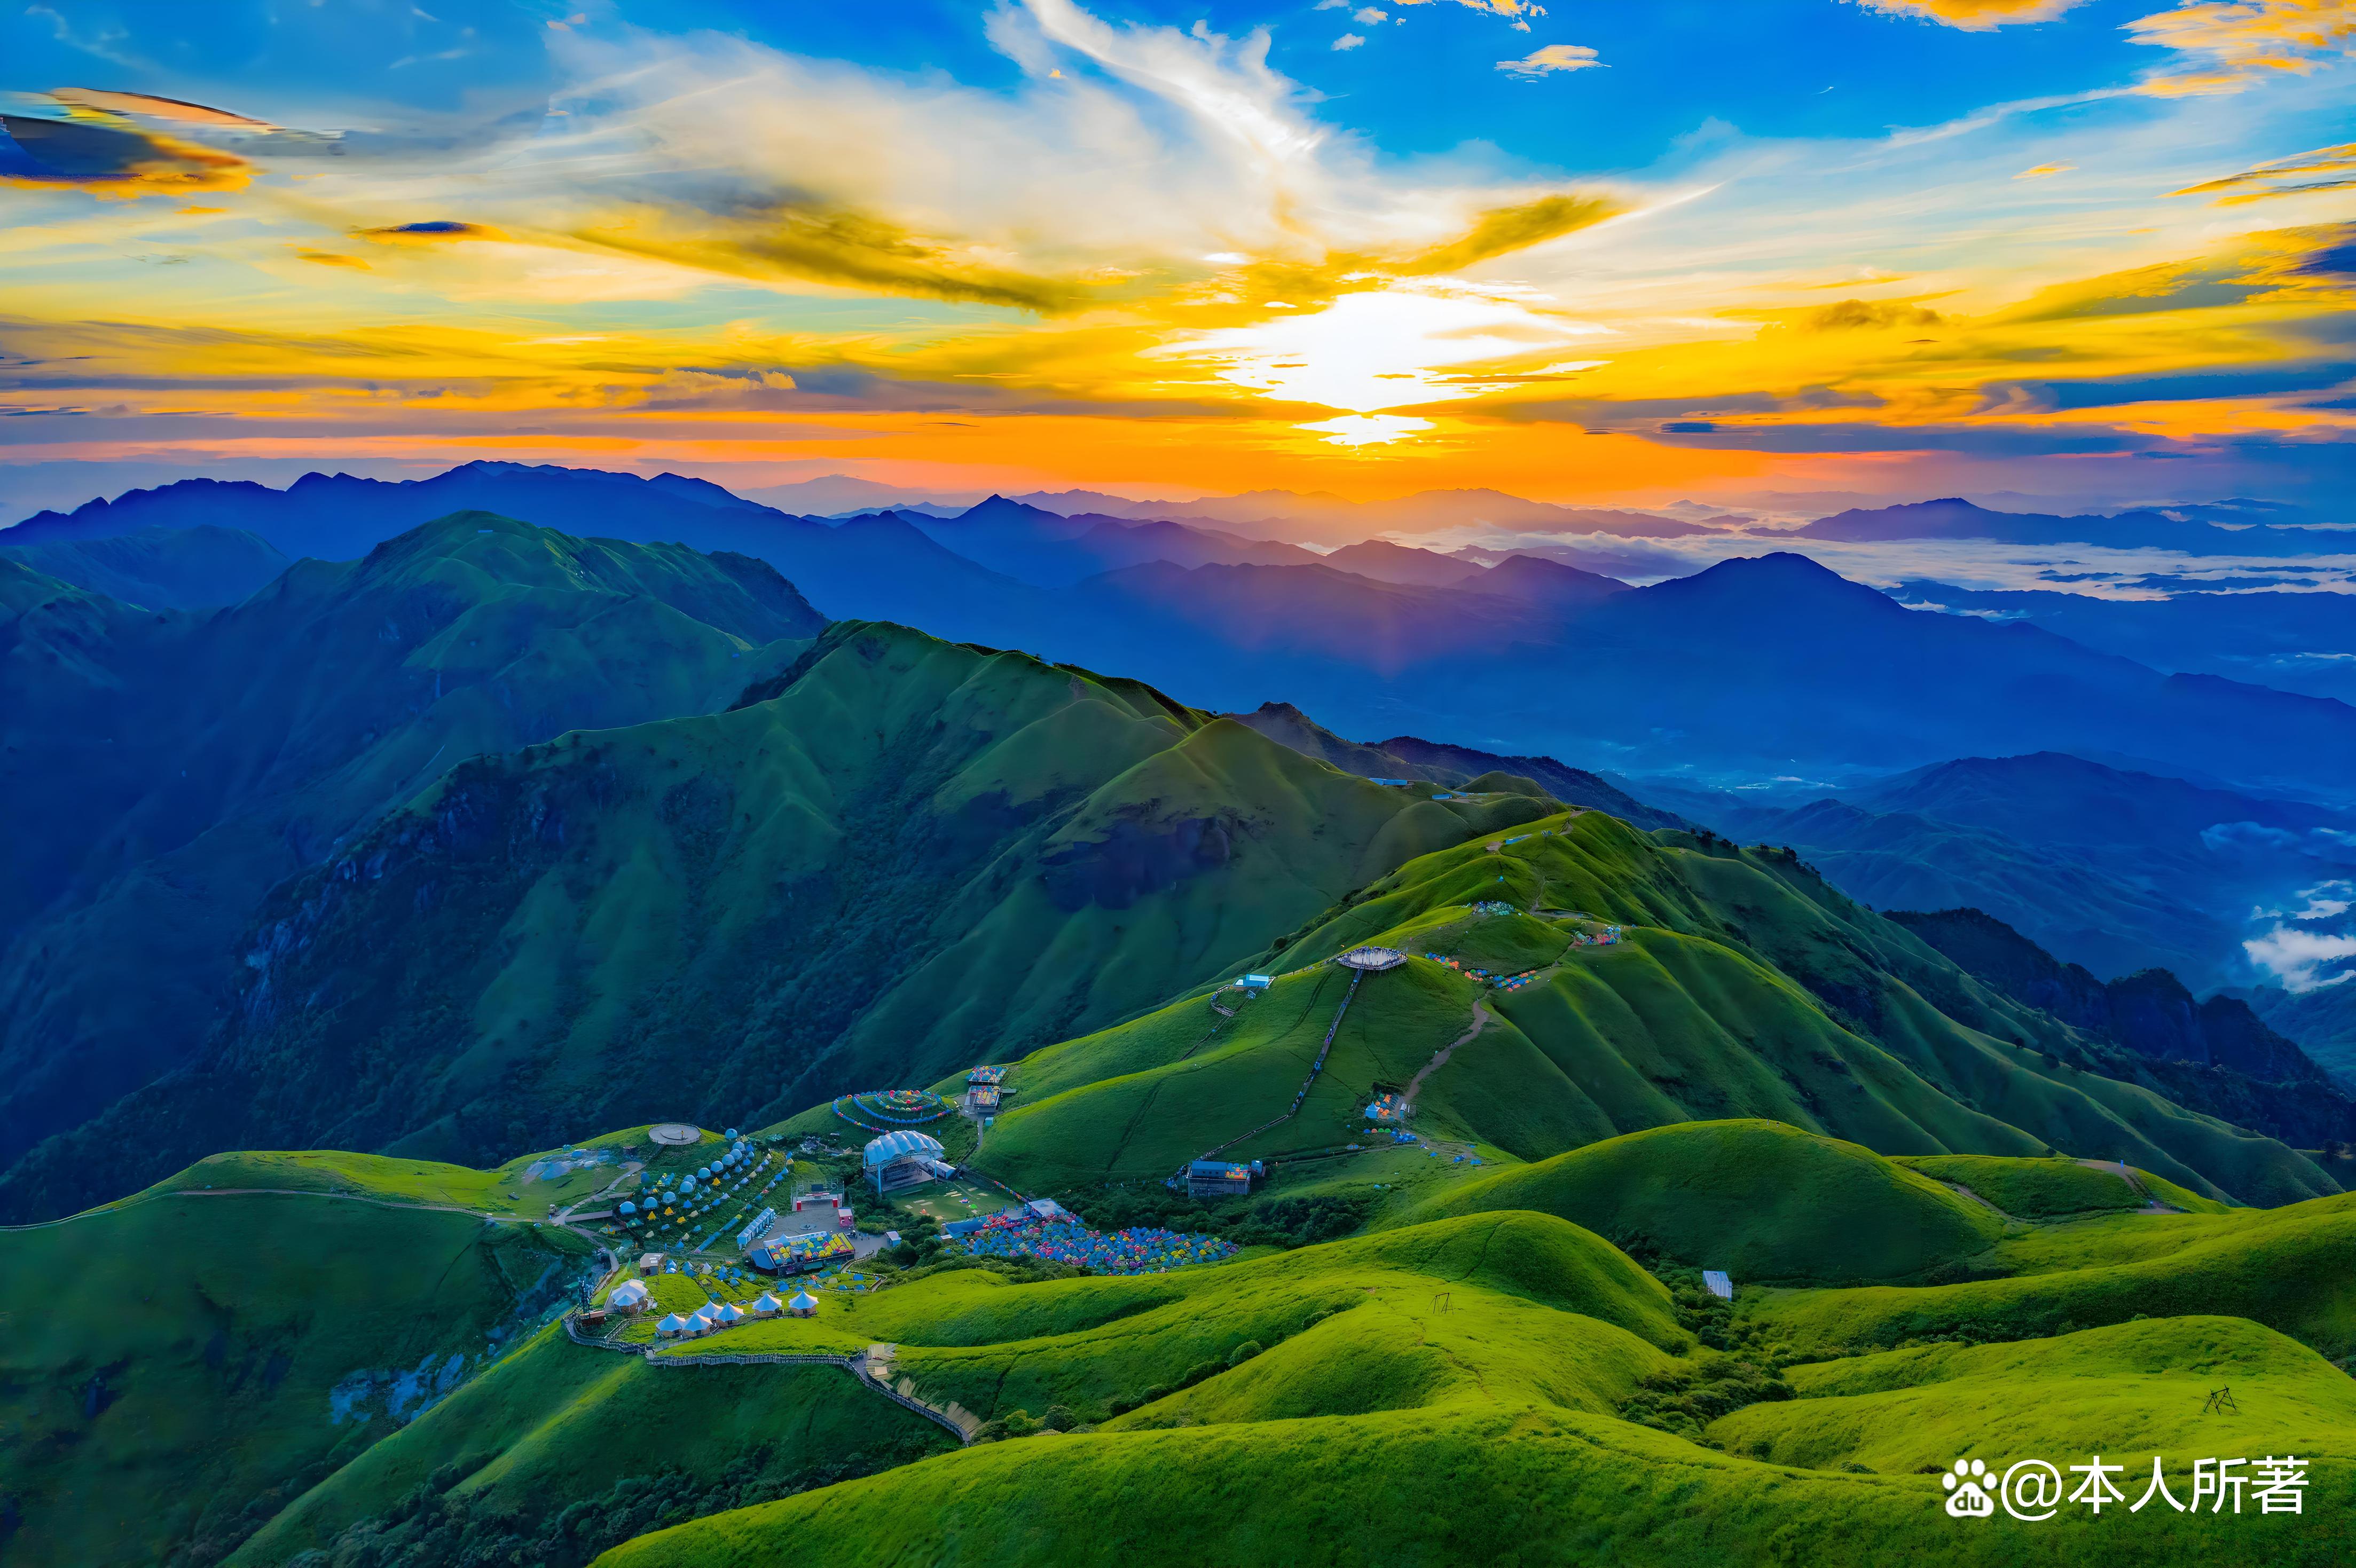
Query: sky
x,y
2098,252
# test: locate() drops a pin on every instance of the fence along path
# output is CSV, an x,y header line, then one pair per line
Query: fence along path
x,y
872,1368
1317,1067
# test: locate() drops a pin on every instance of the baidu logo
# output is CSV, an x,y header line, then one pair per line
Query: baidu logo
x,y
1966,1497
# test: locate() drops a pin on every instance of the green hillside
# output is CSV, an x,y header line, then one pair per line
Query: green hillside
x,y
182,765
1483,1413
1741,987
2136,1387
1575,1404
197,567
2288,1268
900,857
2054,1188
1758,1199
556,1430
172,1371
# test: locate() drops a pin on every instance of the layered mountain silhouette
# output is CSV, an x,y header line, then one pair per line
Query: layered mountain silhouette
x,y
1763,664
2302,642
160,567
2112,868
2255,1076
2255,527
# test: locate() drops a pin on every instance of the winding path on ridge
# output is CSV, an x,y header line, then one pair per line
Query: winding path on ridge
x,y
1482,1019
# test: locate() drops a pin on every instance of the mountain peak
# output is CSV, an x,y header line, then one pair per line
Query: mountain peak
x,y
996,508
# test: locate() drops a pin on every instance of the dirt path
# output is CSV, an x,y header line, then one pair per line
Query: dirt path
x,y
2126,1173
1481,1020
487,1218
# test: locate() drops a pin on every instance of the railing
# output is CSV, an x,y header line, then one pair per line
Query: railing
x,y
1317,1067
857,1366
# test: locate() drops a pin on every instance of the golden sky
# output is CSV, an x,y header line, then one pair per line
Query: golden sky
x,y
1480,246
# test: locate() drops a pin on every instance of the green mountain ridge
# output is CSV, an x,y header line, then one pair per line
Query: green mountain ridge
x,y
800,861
1744,986
909,841
197,568
182,765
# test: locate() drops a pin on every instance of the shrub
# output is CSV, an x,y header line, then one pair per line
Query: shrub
x,y
1243,1353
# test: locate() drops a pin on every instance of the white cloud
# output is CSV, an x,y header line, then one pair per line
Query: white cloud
x,y
2297,958
1348,41
1550,57
1369,15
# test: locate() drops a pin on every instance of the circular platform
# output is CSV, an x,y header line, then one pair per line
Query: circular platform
x,y
675,1135
900,1106
1372,958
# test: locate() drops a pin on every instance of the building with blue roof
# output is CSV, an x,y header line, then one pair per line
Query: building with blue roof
x,y
1220,1178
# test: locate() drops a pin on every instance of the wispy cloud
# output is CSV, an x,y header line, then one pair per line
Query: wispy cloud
x,y
2044,171
2300,959
1550,57
2294,175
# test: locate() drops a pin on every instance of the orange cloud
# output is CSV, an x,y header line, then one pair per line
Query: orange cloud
x,y
2284,177
156,108
843,247
1974,15
2228,44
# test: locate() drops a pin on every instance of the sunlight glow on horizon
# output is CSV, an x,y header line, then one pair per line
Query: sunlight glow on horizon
x,y
1158,244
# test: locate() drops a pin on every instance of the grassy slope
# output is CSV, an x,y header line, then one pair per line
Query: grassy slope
x,y
2286,1268
1764,1200
2132,1388
1484,1353
556,1423
1477,1433
1419,1490
1745,989
505,1190
1038,850
241,747
2035,1189
180,1352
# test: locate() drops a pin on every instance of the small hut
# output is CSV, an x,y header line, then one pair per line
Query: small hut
x,y
803,1305
630,1296
766,1305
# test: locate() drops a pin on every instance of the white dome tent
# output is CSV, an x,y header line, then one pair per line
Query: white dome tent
x,y
900,1160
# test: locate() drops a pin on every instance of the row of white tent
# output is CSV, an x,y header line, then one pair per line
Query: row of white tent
x,y
718,1315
